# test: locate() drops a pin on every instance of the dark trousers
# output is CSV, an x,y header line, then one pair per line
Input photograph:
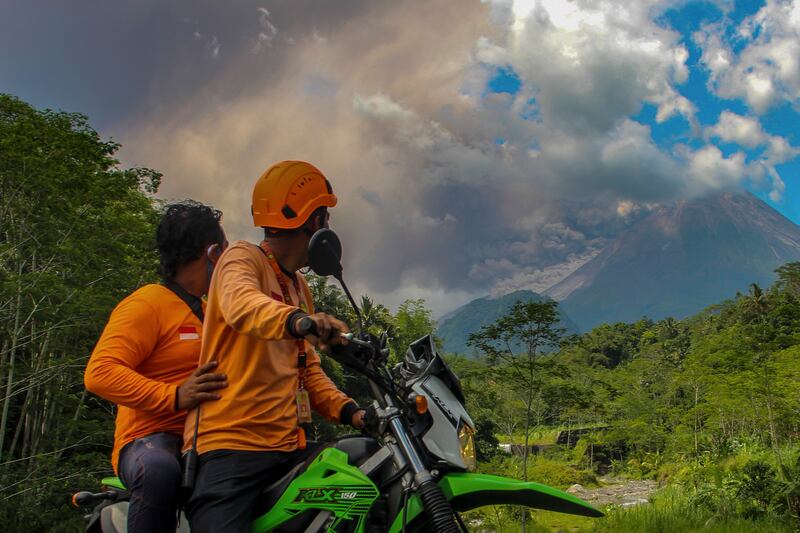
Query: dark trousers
x,y
150,468
229,483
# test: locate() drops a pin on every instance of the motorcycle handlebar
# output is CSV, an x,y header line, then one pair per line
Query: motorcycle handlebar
x,y
306,326
87,498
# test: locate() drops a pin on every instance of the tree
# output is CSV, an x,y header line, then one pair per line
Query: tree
x,y
518,340
376,317
412,321
76,235
789,278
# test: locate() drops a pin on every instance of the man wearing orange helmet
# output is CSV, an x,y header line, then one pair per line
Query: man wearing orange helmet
x,y
252,434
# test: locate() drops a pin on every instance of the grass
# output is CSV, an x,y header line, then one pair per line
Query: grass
x,y
669,512
537,438
540,469
543,435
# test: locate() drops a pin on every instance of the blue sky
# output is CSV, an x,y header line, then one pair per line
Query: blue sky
x,y
497,153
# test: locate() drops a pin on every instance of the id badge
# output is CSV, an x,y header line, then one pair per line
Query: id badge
x,y
303,406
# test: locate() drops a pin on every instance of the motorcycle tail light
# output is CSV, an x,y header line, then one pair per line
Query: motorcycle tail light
x,y
466,438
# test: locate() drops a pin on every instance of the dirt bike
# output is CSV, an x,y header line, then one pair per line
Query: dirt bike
x,y
413,471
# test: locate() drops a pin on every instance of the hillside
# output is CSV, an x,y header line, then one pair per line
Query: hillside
x,y
456,326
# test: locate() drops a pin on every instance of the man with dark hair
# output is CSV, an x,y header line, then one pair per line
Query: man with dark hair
x,y
256,302
146,362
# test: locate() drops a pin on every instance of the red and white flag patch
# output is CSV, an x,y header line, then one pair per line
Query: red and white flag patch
x,y
188,333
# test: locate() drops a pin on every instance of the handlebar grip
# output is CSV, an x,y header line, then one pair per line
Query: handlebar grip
x,y
87,498
82,498
306,326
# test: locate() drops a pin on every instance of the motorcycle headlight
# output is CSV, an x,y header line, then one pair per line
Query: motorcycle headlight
x,y
466,438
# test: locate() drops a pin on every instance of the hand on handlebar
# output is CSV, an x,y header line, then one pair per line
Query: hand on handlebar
x,y
322,330
358,419
370,421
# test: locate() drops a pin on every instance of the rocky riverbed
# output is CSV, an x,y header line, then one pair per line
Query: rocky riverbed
x,y
616,491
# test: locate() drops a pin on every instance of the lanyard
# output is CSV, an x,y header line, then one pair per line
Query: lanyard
x,y
301,345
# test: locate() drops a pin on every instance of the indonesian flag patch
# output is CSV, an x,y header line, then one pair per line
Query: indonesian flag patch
x,y
188,333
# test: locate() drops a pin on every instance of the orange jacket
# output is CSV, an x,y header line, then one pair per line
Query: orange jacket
x,y
150,345
245,332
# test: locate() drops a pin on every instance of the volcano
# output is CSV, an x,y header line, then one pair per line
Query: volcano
x,y
679,260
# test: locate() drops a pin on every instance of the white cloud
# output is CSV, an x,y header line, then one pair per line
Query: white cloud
x,y
738,129
214,46
585,68
766,71
211,43
588,63
747,132
267,33
712,171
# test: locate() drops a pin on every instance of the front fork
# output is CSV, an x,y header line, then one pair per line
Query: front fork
x,y
438,509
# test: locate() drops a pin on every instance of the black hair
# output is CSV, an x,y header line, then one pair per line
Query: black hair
x,y
318,213
185,231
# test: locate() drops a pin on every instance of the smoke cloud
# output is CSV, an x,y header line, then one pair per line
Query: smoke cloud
x,y
447,190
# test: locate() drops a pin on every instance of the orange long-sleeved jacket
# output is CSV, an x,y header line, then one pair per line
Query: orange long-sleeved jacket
x,y
150,345
245,332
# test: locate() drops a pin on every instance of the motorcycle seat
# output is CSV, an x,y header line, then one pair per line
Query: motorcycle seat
x,y
358,450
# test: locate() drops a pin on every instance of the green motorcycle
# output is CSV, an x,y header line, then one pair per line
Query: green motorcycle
x,y
412,471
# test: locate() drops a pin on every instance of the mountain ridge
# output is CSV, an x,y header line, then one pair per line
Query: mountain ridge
x,y
680,259
454,327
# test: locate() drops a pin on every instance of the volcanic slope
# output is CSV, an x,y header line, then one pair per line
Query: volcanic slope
x,y
680,259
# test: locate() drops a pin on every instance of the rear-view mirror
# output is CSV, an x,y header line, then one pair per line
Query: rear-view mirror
x,y
325,253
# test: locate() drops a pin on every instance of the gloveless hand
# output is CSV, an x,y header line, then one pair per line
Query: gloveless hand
x,y
358,419
199,386
328,328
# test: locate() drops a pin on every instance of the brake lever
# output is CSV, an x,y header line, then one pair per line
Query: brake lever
x,y
307,326
355,340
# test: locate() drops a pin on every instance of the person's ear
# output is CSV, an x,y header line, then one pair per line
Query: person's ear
x,y
321,221
313,225
214,252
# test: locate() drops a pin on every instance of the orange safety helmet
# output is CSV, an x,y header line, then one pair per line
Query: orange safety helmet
x,y
287,193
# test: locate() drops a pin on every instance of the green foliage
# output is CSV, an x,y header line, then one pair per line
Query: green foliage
x,y
670,510
76,235
708,403
542,469
676,509
411,322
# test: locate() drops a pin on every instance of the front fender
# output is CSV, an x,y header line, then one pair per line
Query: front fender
x,y
467,491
